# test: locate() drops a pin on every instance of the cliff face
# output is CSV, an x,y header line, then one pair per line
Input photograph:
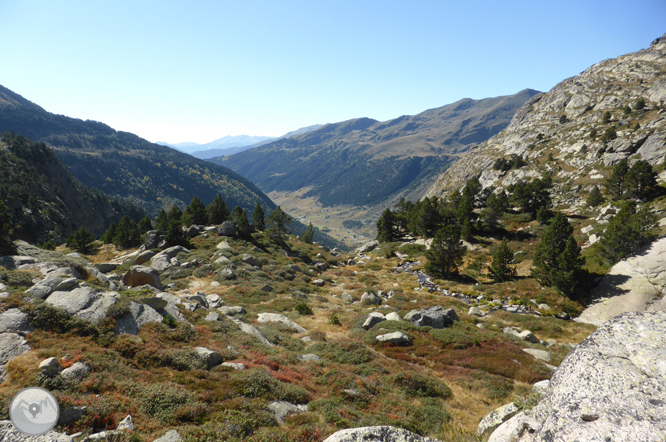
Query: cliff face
x,y
554,131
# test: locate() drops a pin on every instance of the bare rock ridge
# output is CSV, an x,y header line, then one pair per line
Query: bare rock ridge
x,y
386,159
557,125
611,387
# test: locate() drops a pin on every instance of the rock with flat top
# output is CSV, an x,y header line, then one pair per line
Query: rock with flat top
x,y
377,434
275,317
395,338
140,275
212,358
373,319
14,320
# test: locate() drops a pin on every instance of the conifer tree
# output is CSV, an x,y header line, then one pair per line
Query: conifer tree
x,y
217,210
446,252
500,268
628,232
195,213
162,221
258,218
308,235
5,221
640,180
145,225
615,184
466,230
496,205
594,198
127,234
175,235
236,213
110,234
277,224
557,261
386,226
175,214
243,225
81,240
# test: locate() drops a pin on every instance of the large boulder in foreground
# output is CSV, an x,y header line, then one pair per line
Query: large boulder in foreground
x,y
632,285
435,317
141,275
610,387
384,433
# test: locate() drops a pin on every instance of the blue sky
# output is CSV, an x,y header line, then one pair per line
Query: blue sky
x,y
200,70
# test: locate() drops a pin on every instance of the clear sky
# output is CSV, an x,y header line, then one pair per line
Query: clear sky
x,y
199,70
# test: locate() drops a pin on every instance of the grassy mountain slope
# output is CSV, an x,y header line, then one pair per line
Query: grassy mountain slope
x,y
563,132
125,165
45,201
367,162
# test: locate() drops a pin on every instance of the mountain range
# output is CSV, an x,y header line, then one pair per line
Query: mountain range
x,y
368,162
231,144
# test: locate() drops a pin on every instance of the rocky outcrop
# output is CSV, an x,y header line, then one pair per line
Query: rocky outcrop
x,y
494,419
9,433
560,121
138,315
227,228
395,338
377,434
434,317
282,410
610,387
275,317
633,285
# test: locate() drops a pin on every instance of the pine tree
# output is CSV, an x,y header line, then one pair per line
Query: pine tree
x,y
127,234
628,232
243,225
175,214
217,211
496,205
386,226
500,268
606,117
175,235
615,184
195,213
5,221
81,240
594,198
640,104
308,235
162,221
446,252
145,225
466,230
258,218
557,258
236,213
110,234
277,224
641,179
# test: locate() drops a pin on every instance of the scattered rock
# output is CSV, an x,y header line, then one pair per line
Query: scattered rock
x,y
475,311
74,301
373,319
434,317
14,320
377,434
226,274
281,410
347,297
393,316
155,302
234,365
213,316
223,245
227,228
51,284
126,424
309,357
153,239
77,371
170,436
496,418
11,346
194,230
140,275
370,298
144,257
50,367
267,288
395,338
541,355
321,266
251,260
274,317
9,433
371,245
319,282
214,300
212,358
232,310
138,315
252,331
528,336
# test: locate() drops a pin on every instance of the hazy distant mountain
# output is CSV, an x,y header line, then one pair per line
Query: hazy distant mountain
x,y
232,144
367,162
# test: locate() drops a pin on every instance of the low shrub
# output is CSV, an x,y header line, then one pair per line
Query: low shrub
x,y
168,403
347,353
416,385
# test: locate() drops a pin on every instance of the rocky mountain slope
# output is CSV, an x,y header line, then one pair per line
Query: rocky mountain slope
x,y
45,201
367,162
564,133
125,165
